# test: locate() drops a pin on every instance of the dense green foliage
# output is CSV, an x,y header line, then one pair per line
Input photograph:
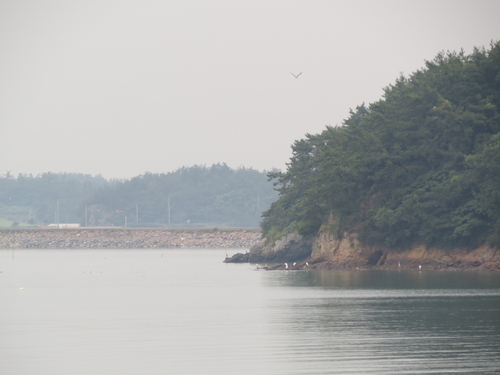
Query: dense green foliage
x,y
194,196
422,165
36,199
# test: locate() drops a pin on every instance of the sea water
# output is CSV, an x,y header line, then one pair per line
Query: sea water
x,y
186,312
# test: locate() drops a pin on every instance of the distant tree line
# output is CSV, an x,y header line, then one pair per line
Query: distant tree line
x,y
190,196
419,166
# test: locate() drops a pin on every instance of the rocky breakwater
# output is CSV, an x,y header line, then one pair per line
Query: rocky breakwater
x,y
123,238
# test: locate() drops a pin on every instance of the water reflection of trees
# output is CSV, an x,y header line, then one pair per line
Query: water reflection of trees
x,y
392,319
377,279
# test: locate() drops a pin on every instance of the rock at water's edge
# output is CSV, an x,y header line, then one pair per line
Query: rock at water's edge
x,y
293,247
327,251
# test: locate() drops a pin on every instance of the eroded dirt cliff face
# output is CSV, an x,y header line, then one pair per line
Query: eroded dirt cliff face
x,y
329,252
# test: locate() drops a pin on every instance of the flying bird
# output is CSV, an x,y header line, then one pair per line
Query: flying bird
x,y
296,75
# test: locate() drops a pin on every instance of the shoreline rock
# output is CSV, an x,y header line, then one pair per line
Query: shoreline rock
x,y
290,248
327,252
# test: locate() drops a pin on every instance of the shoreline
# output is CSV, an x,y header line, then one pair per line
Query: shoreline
x,y
210,238
128,238
311,265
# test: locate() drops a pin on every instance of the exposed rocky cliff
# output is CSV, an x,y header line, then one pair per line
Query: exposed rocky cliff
x,y
329,252
326,251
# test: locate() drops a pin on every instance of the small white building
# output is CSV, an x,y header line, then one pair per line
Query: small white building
x,y
64,225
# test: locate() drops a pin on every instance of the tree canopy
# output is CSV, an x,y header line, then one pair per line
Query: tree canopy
x,y
190,196
421,165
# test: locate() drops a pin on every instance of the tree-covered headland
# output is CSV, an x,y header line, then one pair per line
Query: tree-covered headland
x,y
197,196
419,166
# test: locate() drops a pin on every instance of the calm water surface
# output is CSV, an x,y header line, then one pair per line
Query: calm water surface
x,y
185,312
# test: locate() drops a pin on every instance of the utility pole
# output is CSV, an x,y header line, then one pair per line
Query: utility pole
x,y
137,213
168,208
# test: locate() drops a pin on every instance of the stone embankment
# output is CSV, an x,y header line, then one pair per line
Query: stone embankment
x,y
123,238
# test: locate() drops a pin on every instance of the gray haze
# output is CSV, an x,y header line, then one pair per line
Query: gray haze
x,y
122,87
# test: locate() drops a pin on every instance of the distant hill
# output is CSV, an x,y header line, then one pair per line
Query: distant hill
x,y
196,196
419,166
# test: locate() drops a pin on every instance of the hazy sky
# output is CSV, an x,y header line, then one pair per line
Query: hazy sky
x,y
122,87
